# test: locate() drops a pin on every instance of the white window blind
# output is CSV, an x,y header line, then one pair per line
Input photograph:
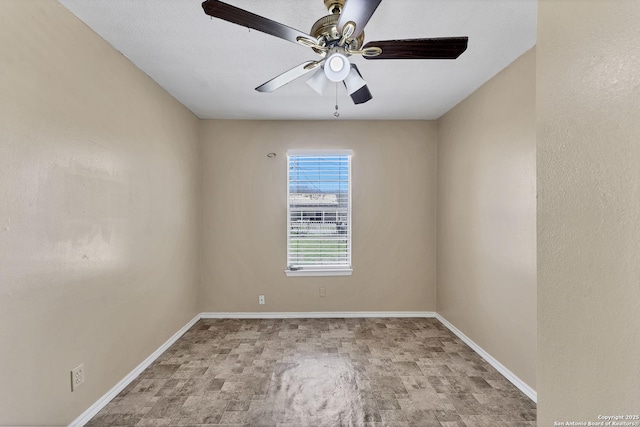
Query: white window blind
x,y
319,211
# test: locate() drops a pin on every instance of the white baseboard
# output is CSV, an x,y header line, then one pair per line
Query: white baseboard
x,y
513,379
102,402
316,314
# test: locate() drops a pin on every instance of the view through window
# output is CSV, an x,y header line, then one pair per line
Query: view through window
x,y
319,216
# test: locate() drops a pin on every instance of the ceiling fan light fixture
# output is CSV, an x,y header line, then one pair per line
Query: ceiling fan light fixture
x,y
356,86
337,67
353,81
318,82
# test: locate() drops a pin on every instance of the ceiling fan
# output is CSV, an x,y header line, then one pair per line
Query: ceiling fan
x,y
335,37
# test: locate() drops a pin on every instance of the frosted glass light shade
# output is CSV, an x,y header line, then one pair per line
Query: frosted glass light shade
x,y
353,81
337,67
356,87
318,81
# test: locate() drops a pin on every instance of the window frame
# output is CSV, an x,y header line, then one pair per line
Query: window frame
x,y
321,270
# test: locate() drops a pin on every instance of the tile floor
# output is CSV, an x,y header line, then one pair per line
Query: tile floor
x,y
319,372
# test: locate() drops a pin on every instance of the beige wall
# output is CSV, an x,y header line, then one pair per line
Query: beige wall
x,y
588,209
487,217
98,214
244,219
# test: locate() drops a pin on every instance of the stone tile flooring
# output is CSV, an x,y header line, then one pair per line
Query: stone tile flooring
x,y
319,372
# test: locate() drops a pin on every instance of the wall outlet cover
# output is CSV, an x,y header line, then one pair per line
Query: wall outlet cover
x,y
77,376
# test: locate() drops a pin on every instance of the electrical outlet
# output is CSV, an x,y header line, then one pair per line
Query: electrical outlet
x,y
323,292
261,299
77,377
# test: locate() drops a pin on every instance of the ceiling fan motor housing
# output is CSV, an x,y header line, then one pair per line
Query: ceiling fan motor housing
x,y
326,31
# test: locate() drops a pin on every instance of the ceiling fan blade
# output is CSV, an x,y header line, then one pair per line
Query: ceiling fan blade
x,y
235,15
359,12
356,86
289,76
440,48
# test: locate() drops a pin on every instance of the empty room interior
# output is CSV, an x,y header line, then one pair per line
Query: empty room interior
x,y
160,218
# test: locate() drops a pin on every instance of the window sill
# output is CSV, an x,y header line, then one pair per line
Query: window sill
x,y
309,272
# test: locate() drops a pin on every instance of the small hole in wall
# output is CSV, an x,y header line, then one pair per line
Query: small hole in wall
x,y
271,155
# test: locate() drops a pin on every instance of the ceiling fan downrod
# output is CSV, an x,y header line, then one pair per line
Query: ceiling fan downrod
x,y
334,6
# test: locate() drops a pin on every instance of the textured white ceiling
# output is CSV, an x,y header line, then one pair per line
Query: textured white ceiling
x,y
212,66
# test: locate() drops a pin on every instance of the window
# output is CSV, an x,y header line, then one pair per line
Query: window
x,y
319,213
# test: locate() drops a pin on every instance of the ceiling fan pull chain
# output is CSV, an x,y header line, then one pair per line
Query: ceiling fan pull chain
x,y
337,113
